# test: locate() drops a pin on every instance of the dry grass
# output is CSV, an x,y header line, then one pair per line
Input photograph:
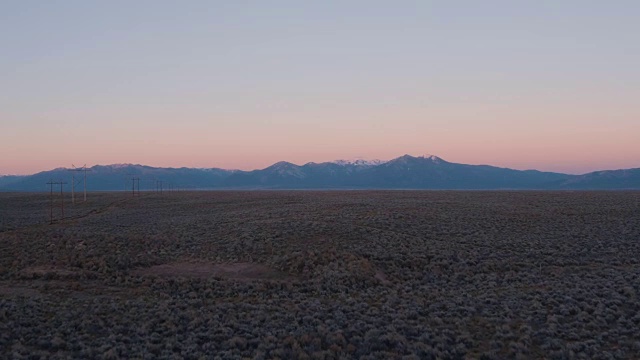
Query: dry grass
x,y
322,275
202,270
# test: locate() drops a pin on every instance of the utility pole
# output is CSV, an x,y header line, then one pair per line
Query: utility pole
x,y
51,183
134,181
133,185
62,199
85,182
73,188
50,202
73,181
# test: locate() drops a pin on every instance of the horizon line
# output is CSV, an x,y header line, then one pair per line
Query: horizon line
x,y
381,162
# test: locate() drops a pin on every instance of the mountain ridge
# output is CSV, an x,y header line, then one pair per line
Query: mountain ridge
x,y
403,172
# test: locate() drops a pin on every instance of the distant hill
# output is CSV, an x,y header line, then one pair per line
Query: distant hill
x,y
118,177
609,179
6,180
405,172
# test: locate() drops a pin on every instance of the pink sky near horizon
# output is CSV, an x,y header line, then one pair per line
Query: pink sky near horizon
x,y
254,143
552,86
563,165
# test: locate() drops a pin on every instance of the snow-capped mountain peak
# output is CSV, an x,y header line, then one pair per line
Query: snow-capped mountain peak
x,y
119,166
282,165
433,158
284,168
359,162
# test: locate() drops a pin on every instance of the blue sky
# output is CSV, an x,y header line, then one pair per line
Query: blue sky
x,y
551,85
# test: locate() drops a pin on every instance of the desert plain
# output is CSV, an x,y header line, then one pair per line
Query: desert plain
x,y
321,275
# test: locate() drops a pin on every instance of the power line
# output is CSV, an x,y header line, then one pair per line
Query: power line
x,y
85,181
51,183
73,181
133,185
134,180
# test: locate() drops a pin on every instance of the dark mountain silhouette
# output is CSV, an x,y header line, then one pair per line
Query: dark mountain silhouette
x,y
405,172
310,175
435,173
118,177
608,179
9,179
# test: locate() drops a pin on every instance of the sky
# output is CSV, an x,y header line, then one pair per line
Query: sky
x,y
548,85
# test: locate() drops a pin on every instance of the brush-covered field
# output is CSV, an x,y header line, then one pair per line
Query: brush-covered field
x,y
322,275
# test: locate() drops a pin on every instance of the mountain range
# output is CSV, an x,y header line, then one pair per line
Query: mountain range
x,y
405,172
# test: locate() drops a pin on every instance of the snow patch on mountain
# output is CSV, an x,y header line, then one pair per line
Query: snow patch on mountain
x,y
433,158
359,162
120,166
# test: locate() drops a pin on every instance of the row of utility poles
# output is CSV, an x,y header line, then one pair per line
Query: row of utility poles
x,y
135,190
135,180
159,186
51,183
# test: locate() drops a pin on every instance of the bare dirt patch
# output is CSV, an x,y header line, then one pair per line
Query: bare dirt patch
x,y
202,270
7,289
40,271
382,278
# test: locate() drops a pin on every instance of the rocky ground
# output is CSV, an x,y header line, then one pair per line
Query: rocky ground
x,y
322,275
